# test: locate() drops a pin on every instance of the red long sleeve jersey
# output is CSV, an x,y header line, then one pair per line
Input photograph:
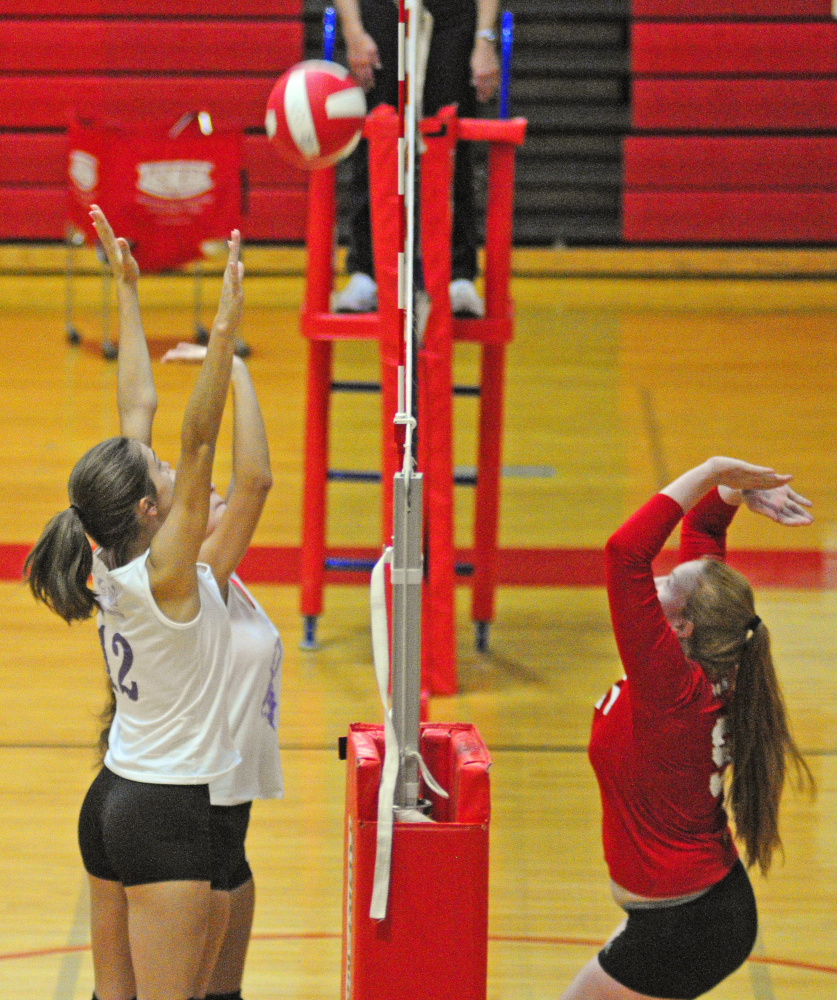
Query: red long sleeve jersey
x,y
658,738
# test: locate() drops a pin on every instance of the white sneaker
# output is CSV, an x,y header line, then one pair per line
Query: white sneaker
x,y
359,296
464,300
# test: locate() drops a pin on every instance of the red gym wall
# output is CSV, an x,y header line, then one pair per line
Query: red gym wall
x,y
734,122
127,58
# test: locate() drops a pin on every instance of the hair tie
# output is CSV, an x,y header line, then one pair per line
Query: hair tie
x,y
753,623
77,510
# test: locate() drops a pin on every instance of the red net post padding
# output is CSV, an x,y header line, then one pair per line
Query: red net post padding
x,y
433,942
167,194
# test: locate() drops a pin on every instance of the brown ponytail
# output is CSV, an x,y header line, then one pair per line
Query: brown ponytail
x,y
761,745
105,487
733,647
58,568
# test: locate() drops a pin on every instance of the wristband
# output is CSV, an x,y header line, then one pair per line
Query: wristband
x,y
488,34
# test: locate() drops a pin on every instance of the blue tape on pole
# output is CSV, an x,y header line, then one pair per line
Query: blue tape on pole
x,y
506,38
329,29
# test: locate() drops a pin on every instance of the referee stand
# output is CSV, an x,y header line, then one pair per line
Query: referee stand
x,y
436,389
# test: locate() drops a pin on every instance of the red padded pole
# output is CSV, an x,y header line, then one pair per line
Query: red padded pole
x,y
498,244
313,548
436,413
319,278
319,240
382,130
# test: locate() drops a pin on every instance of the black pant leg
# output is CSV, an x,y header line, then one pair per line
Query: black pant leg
x,y
449,82
380,20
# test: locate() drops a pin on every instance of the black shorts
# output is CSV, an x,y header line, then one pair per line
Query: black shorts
x,y
228,829
680,952
135,832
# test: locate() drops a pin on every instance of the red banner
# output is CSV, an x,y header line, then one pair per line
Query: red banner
x,y
166,194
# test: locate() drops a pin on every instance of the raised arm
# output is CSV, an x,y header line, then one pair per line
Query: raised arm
x,y
176,546
251,480
648,646
136,397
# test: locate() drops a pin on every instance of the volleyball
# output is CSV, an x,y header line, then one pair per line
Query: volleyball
x,y
315,114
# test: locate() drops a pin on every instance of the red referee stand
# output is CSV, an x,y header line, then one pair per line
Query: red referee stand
x,y
493,332
433,942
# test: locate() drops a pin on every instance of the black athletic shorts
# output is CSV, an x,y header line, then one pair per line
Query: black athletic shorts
x,y
135,832
680,952
228,828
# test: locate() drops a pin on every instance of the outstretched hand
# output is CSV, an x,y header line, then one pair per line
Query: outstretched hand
x,y
780,504
118,252
740,475
232,296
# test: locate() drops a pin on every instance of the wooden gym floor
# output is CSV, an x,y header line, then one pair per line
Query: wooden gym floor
x,y
615,383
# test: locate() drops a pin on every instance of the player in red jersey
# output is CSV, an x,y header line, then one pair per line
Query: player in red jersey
x,y
700,693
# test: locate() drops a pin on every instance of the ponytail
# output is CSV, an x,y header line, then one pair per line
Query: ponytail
x,y
59,566
761,746
732,645
106,486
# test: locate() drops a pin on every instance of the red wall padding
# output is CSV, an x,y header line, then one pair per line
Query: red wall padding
x,y
151,8
40,213
265,169
112,61
33,158
756,49
730,217
40,159
750,69
130,46
748,105
33,213
715,163
276,215
709,9
44,102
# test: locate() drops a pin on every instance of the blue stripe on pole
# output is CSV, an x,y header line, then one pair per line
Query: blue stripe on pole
x,y
351,565
506,38
329,29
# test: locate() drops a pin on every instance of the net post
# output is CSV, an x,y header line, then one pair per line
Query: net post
x,y
406,631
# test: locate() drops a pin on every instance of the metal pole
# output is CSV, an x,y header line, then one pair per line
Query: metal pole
x,y
406,631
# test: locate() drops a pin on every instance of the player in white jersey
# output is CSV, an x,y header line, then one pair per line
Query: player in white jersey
x,y
253,697
256,649
144,825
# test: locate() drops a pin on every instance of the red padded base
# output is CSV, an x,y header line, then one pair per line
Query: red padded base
x,y
434,940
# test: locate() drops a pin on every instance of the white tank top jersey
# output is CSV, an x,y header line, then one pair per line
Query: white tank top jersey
x,y
170,679
253,699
